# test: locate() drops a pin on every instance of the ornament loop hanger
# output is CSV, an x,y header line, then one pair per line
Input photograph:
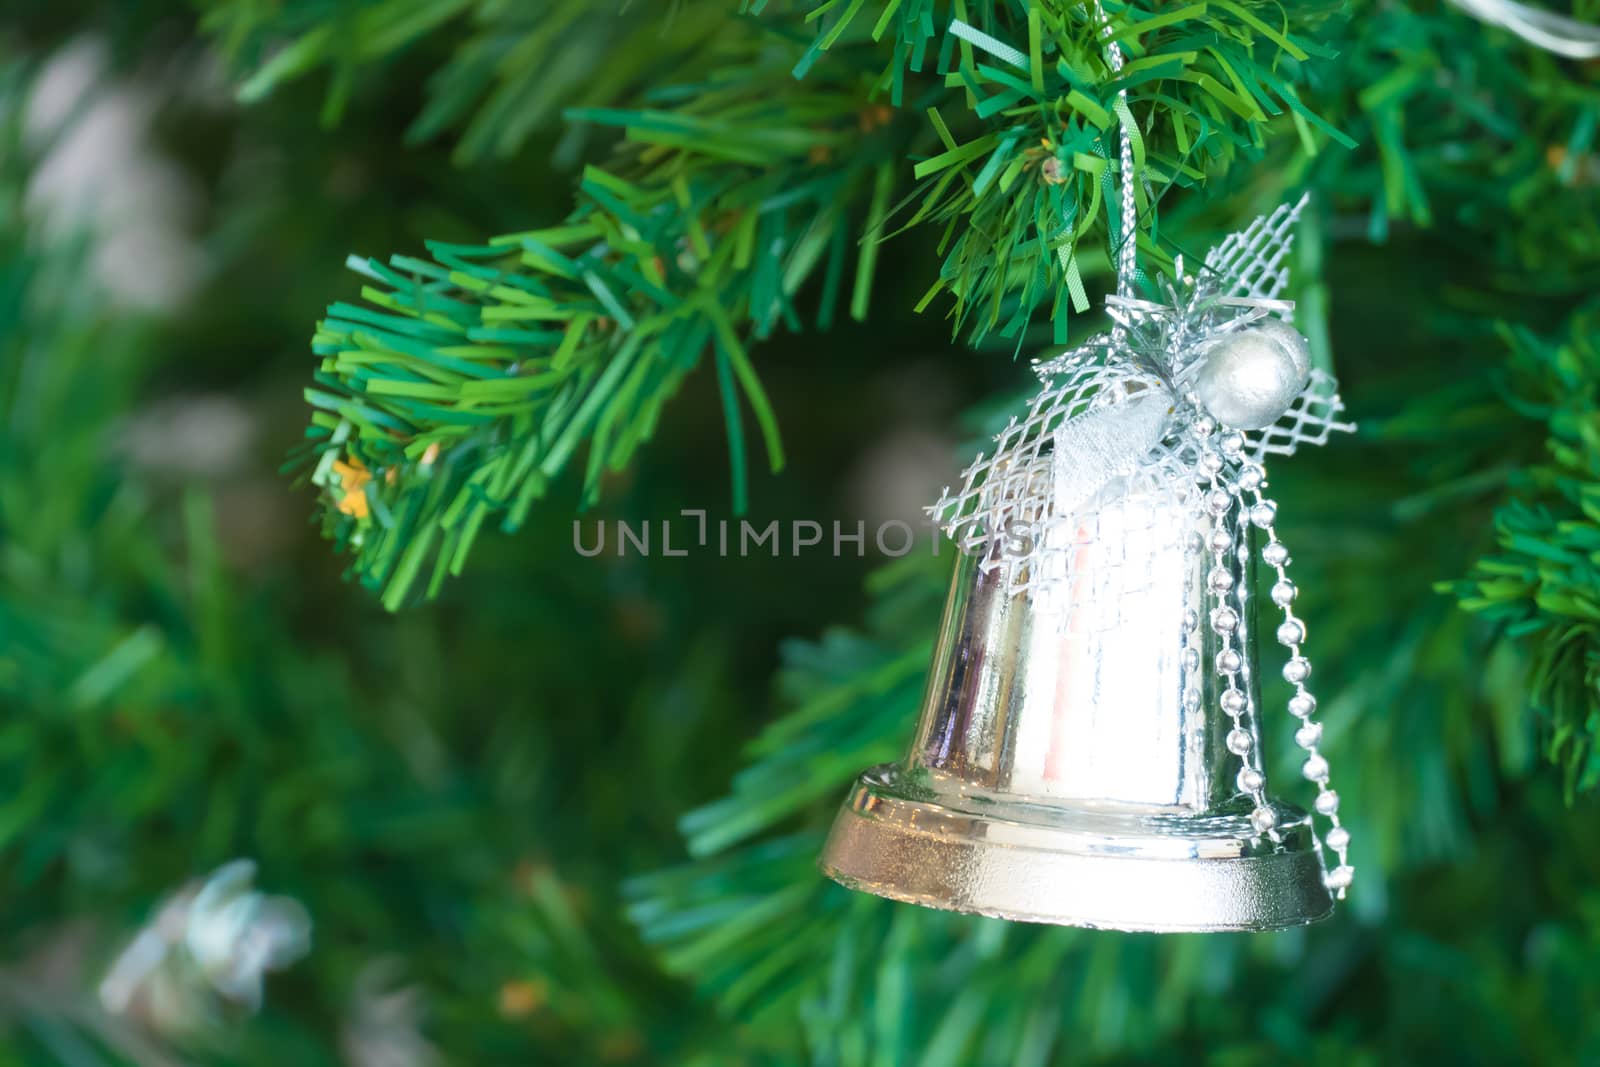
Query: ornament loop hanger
x,y
1128,251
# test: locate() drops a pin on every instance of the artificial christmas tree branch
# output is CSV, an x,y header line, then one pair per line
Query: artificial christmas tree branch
x,y
479,372
1020,184
1012,163
506,72
485,368
1543,586
455,794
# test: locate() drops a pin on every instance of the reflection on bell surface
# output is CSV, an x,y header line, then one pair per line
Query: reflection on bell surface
x,y
1071,763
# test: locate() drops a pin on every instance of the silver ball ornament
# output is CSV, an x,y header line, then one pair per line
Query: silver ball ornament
x,y
1293,342
1250,378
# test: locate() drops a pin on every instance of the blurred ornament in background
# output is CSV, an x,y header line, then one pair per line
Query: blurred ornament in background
x,y
105,175
1549,30
1089,748
197,435
910,457
236,935
384,1026
209,947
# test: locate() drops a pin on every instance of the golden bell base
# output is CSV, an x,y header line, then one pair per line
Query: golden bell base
x,y
1073,867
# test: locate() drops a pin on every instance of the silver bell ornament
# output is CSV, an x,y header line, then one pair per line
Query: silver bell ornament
x,y
1089,750
1073,762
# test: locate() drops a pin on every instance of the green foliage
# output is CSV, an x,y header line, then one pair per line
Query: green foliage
x,y
1463,129
1433,760
1024,176
470,797
488,366
167,712
57,355
478,373
510,70
1544,584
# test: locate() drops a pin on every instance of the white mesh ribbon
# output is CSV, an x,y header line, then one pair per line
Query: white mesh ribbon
x,y
1255,261
1115,417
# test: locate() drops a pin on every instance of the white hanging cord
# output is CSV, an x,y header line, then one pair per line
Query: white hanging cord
x,y
1544,29
1127,254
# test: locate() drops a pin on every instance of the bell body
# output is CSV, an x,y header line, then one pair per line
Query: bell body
x,y
1070,763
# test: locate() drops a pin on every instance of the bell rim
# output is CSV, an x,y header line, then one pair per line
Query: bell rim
x,y
921,851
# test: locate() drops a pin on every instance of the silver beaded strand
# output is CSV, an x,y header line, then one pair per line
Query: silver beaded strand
x,y
1302,705
1220,499
1216,461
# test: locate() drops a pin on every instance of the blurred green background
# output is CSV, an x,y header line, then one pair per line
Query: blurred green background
x,y
494,828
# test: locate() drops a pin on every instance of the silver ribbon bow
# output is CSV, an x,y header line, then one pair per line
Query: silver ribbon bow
x,y
1118,409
